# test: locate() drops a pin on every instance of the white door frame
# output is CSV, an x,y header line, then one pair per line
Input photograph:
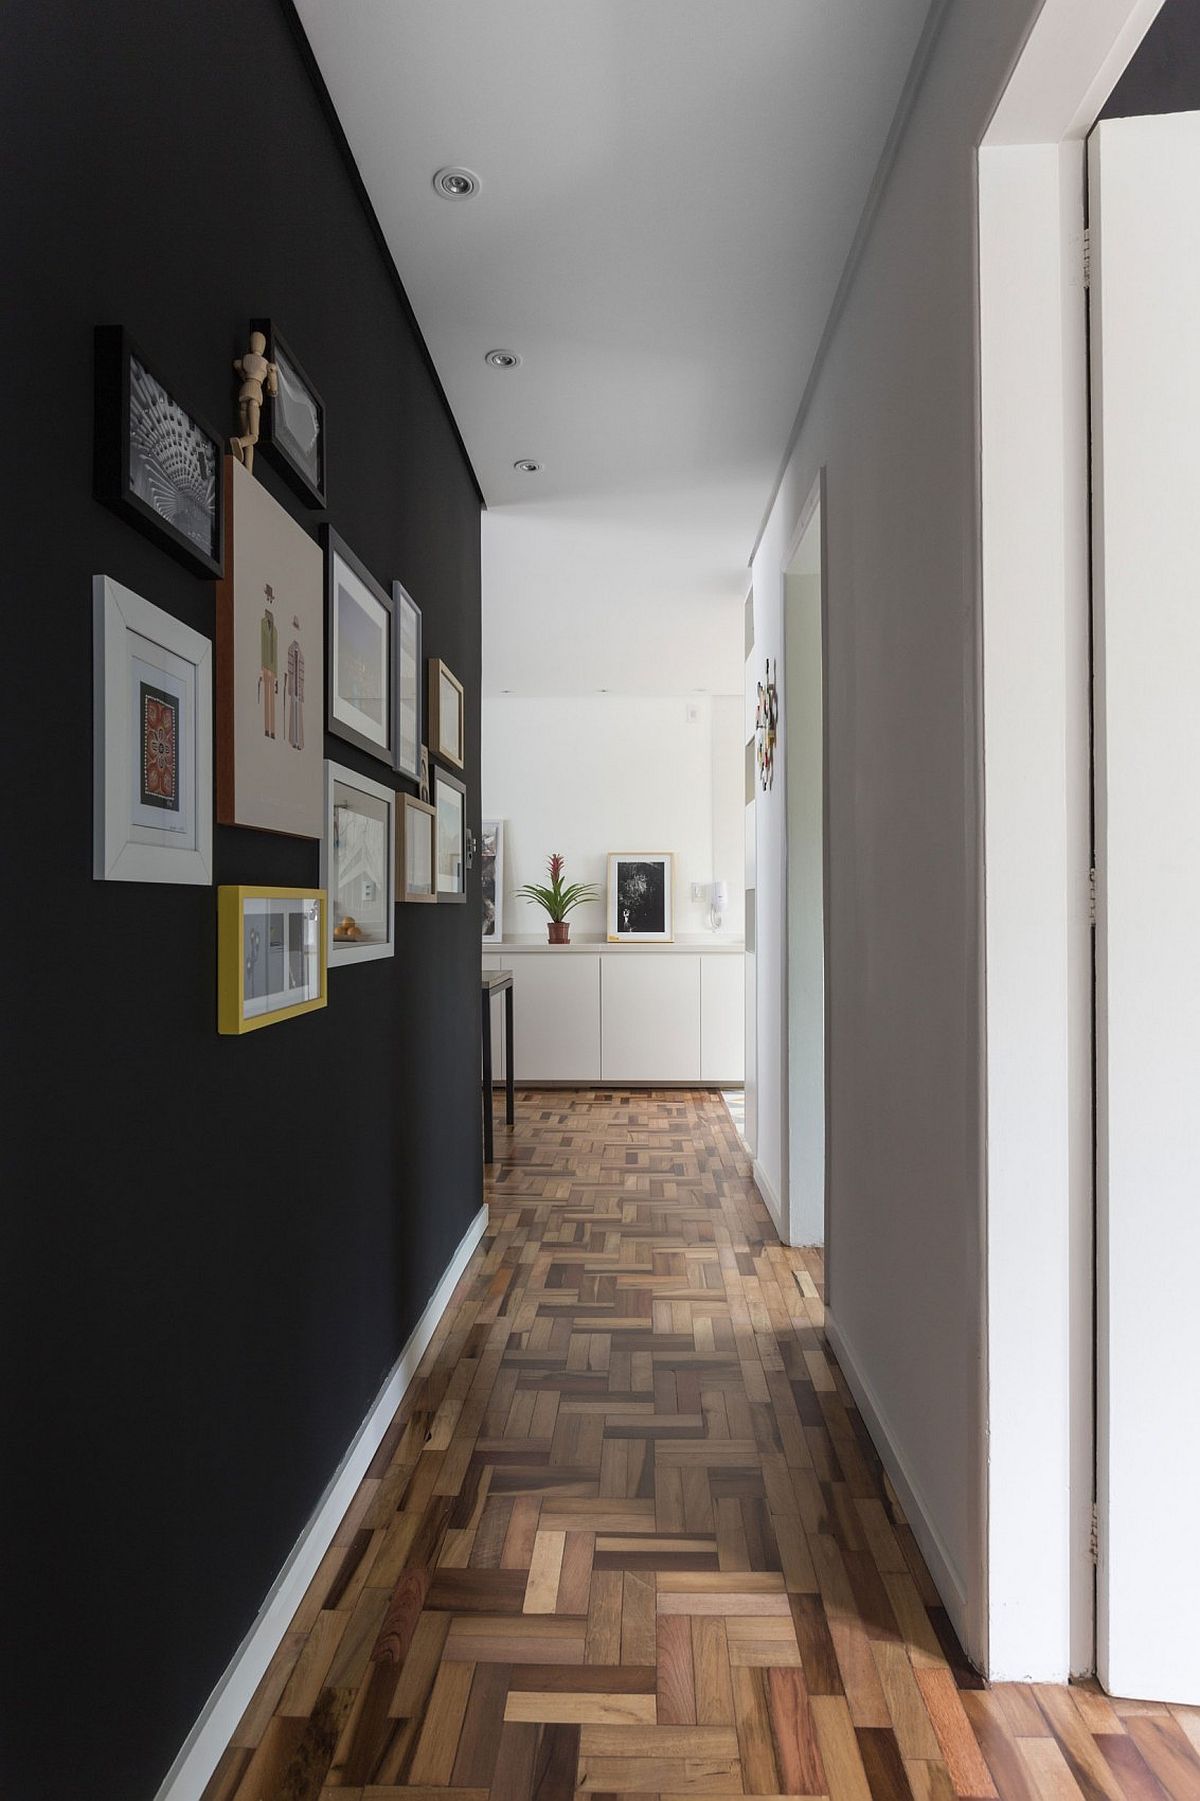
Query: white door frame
x,y
798,1224
1039,1349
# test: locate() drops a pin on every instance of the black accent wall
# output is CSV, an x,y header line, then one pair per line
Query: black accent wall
x,y
1164,76
213,1249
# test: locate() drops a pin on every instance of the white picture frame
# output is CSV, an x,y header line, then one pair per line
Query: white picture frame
x,y
655,869
146,659
491,878
358,866
450,835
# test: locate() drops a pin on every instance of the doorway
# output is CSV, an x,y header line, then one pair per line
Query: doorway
x,y
803,1115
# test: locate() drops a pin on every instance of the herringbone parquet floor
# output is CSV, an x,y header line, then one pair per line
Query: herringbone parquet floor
x,y
628,1537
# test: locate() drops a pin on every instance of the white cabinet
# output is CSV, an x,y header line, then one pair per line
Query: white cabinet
x,y
722,1019
651,1018
622,1015
556,1017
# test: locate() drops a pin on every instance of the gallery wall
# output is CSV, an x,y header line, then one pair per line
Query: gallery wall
x,y
590,774
214,1248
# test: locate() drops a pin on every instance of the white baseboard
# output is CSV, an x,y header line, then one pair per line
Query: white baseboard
x,y
773,1205
946,1575
205,1743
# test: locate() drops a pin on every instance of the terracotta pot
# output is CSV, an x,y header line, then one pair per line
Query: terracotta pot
x,y
559,930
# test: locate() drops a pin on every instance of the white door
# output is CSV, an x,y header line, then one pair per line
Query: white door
x,y
803,739
1144,177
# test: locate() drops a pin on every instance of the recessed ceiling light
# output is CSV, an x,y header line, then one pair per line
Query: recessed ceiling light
x,y
526,466
502,359
456,184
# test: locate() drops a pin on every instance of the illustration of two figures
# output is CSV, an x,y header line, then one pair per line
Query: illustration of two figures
x,y
293,680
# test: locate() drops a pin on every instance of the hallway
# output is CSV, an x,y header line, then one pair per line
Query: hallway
x,y
627,1536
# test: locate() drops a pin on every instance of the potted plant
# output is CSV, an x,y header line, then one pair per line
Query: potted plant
x,y
558,898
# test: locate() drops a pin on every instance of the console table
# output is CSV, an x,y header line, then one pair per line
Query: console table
x,y
496,981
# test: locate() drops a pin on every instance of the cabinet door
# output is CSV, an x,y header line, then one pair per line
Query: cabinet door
x,y
651,1018
497,962
722,1018
556,1017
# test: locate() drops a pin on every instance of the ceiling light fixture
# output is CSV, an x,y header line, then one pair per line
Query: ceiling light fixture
x,y
456,184
502,359
526,466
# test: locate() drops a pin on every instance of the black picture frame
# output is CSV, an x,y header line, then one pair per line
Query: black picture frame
x,y
335,549
401,599
115,453
273,438
442,778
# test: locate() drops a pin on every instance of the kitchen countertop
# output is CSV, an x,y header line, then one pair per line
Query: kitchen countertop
x,y
695,944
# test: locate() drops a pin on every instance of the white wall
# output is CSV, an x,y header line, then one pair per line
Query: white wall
x,y
892,418
591,774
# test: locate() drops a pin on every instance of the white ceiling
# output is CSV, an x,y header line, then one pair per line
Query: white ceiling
x,y
669,192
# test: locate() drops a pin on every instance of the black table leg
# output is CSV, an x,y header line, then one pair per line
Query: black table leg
x,y
508,1054
489,1149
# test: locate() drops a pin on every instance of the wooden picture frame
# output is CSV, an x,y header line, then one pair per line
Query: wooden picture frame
x,y
446,720
283,426
358,867
415,851
157,463
270,942
450,835
152,742
633,917
406,683
270,665
358,611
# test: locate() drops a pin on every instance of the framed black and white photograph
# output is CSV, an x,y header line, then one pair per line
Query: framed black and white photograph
x,y
358,866
447,714
359,660
450,835
415,877
406,681
152,745
292,432
641,897
491,877
156,463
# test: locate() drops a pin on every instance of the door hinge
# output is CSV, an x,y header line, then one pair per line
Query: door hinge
x,y
1087,256
1094,1538
1091,897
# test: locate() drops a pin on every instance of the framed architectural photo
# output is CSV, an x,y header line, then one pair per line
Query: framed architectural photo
x,y
446,712
406,681
152,742
358,866
292,432
156,463
450,825
270,666
641,897
358,652
491,876
414,849
270,956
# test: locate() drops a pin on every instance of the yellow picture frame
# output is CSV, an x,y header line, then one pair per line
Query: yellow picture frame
x,y
232,1018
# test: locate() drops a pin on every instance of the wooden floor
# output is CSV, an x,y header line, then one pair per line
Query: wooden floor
x,y
628,1536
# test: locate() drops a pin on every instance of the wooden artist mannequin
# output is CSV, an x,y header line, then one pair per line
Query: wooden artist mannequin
x,y
254,370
